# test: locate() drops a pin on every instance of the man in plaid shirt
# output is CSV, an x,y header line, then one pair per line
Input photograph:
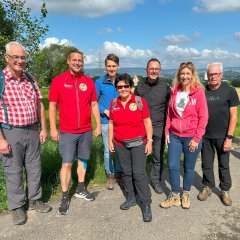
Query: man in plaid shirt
x,y
19,136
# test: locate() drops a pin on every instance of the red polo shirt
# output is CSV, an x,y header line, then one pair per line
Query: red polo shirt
x,y
128,121
74,94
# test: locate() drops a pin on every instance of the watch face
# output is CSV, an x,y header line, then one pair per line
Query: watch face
x,y
229,136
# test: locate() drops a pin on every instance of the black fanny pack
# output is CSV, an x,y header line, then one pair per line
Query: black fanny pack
x,y
134,142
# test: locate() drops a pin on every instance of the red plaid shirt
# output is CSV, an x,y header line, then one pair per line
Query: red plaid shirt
x,y
20,99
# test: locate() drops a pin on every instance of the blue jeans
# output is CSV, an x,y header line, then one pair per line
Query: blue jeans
x,y
176,147
108,158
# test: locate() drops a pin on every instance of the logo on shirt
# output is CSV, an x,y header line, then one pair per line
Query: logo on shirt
x,y
212,98
133,106
83,87
193,101
68,86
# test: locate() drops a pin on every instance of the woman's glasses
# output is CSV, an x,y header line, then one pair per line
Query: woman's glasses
x,y
123,86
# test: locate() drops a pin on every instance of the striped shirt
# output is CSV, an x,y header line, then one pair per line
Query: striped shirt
x,y
20,99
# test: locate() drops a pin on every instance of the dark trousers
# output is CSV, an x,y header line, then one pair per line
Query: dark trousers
x,y
133,162
25,154
208,153
158,151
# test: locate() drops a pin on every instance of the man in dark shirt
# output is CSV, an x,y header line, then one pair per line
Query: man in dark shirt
x,y
157,94
222,103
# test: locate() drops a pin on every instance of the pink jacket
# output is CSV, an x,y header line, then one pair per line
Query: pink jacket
x,y
195,116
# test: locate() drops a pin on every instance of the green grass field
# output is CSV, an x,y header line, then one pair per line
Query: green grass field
x,y
51,164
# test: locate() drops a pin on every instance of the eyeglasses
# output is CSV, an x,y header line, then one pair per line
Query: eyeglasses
x,y
123,86
187,64
154,69
16,58
214,74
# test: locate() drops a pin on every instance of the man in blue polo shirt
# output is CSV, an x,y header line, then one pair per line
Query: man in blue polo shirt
x,y
106,92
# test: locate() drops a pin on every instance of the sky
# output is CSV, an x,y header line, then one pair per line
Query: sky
x,y
174,31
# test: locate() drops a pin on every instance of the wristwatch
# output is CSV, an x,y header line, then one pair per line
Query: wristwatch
x,y
229,136
150,140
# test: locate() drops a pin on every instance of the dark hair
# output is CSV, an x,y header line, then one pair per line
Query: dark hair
x,y
113,58
75,50
123,77
153,60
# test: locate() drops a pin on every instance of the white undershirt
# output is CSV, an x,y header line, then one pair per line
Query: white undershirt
x,y
181,101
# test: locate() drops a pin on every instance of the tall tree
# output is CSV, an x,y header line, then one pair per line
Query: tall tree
x,y
49,62
6,31
19,25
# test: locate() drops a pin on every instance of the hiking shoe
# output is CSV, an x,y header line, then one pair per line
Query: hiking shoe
x,y
39,206
146,213
204,194
225,197
157,188
172,200
83,193
111,182
19,216
186,200
64,206
128,203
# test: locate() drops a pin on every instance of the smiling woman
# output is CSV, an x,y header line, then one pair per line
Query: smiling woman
x,y
130,135
186,121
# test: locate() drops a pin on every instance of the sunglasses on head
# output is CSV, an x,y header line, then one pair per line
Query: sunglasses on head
x,y
123,86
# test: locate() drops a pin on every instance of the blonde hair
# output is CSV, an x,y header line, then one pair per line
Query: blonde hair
x,y
194,82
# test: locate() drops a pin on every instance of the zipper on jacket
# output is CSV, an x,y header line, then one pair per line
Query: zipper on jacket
x,y
77,99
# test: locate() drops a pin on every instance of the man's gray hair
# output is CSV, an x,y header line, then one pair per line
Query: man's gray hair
x,y
216,63
8,46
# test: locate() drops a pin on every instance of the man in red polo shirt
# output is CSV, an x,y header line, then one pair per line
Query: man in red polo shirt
x,y
75,96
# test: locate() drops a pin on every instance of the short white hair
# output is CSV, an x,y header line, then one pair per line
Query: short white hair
x,y
8,46
216,63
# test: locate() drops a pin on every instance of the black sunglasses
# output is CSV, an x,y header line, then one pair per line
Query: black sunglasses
x,y
123,86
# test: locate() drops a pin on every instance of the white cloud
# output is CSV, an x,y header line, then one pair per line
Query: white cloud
x,y
217,6
170,57
125,51
174,39
237,36
179,39
201,58
109,31
89,8
129,57
54,40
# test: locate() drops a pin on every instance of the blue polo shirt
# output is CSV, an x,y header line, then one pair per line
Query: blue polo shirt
x,y
106,91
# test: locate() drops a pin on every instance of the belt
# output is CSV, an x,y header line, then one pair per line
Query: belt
x,y
6,126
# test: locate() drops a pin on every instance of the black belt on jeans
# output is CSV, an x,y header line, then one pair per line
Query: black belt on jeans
x,y
119,141
6,126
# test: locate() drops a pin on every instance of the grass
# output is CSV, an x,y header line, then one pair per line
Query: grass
x,y
51,164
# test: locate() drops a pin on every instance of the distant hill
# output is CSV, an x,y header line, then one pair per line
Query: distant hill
x,y
230,73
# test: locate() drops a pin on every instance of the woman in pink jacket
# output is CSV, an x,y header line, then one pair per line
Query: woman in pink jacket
x,y
186,121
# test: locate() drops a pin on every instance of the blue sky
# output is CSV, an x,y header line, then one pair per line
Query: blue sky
x,y
174,31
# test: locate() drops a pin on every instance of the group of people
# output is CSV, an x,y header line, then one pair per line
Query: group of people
x,y
188,118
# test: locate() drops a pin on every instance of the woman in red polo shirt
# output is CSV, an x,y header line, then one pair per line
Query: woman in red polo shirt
x,y
130,135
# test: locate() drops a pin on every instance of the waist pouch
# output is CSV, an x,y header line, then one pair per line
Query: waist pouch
x,y
133,142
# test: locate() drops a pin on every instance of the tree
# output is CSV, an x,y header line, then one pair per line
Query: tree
x,y
6,31
17,24
235,83
49,62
